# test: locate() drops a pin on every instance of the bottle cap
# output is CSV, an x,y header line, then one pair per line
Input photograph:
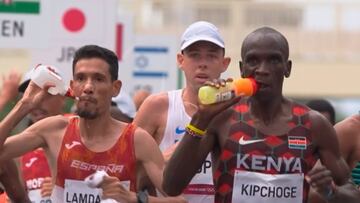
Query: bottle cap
x,y
245,86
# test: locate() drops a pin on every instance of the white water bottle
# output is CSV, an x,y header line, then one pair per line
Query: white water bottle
x,y
42,74
94,180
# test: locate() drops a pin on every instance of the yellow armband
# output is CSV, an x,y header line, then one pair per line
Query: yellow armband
x,y
194,131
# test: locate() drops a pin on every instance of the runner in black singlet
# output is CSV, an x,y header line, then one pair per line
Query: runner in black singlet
x,y
262,146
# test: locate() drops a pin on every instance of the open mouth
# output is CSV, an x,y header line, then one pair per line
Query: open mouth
x,y
202,77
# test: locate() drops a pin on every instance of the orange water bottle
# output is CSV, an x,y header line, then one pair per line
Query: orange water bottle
x,y
238,87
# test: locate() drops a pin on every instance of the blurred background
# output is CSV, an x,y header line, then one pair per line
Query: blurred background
x,y
323,36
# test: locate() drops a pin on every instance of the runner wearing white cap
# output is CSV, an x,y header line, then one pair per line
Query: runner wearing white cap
x,y
165,115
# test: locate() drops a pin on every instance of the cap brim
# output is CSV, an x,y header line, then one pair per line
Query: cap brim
x,y
23,86
202,38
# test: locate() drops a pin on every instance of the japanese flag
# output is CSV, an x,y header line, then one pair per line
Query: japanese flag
x,y
75,23
84,22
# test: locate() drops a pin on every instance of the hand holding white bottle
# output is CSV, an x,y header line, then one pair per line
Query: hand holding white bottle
x,y
42,74
94,181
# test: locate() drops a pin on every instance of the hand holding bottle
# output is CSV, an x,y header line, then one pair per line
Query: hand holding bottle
x,y
229,89
42,74
223,93
95,180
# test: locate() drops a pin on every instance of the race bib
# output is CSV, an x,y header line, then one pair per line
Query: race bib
x,y
35,197
202,183
252,187
76,191
201,187
204,174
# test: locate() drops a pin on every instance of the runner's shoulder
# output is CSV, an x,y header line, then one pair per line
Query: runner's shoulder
x,y
156,101
58,121
158,98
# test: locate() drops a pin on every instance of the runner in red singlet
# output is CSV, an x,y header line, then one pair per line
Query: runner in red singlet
x,y
13,187
262,146
78,146
36,174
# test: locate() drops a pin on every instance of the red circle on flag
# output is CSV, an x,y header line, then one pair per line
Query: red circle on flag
x,y
73,20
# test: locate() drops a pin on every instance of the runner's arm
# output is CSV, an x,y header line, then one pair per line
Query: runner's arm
x,y
325,138
348,193
9,177
192,151
322,178
112,189
152,114
188,157
28,139
149,154
348,132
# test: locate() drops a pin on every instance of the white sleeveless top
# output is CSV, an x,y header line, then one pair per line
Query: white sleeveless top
x,y
201,188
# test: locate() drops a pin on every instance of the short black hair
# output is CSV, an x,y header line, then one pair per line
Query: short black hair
x,y
22,87
268,31
94,51
322,105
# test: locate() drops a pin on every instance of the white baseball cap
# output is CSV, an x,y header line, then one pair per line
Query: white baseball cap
x,y
201,31
125,103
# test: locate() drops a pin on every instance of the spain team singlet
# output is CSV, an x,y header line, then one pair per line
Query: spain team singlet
x,y
200,189
262,168
75,162
35,168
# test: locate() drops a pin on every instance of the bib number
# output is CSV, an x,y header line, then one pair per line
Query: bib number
x,y
252,187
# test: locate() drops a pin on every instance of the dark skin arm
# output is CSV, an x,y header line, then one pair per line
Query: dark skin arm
x,y
322,178
328,146
347,193
193,150
9,177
